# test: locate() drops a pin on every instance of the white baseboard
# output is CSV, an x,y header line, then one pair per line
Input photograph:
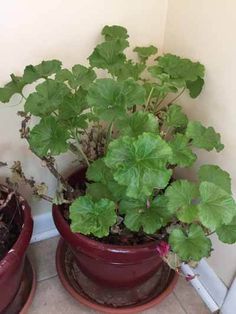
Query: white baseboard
x,y
44,227
229,306
208,285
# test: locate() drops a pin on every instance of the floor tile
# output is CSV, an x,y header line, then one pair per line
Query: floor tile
x,y
169,306
42,255
51,298
189,298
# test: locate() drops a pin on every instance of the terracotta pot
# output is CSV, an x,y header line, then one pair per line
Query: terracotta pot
x,y
114,266
12,265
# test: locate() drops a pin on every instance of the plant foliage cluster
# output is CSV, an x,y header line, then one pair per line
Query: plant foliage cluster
x,y
131,133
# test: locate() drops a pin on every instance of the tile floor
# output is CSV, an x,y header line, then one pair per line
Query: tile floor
x,y
51,298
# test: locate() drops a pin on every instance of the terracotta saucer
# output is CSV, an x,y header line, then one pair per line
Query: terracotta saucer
x,y
25,294
76,283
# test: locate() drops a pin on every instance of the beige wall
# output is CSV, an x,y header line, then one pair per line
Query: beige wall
x,y
205,30
31,31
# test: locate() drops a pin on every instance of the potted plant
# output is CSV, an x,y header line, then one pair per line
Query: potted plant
x,y
17,282
124,215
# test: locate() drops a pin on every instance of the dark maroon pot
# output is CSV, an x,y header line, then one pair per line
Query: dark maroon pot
x,y
11,266
110,265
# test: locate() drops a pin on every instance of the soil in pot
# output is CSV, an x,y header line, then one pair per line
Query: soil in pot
x,y
10,224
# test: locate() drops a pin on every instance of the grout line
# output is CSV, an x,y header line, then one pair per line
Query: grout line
x,y
180,303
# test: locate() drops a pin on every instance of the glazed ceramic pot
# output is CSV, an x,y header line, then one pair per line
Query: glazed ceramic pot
x,y
136,271
12,264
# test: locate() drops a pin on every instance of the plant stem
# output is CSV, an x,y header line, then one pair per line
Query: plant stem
x,y
175,98
78,147
46,198
109,132
160,102
148,99
23,96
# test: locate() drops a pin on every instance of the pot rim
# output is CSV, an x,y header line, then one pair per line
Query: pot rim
x,y
17,251
60,223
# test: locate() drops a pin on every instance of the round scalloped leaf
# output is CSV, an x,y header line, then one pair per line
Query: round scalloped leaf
x,y
89,217
42,70
183,68
195,87
214,174
138,123
150,218
216,207
191,244
181,195
110,98
182,154
109,55
48,137
15,86
175,117
48,97
227,233
114,32
202,137
145,52
139,164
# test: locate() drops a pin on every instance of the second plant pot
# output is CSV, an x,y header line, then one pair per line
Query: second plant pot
x,y
17,279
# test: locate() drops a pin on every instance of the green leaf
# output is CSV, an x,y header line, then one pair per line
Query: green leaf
x,y
227,233
214,174
48,97
98,172
178,67
110,98
15,86
42,70
83,76
129,69
138,123
216,207
181,195
65,75
145,52
195,87
139,164
203,137
191,245
88,217
101,174
175,117
104,96
114,32
182,154
109,55
48,137
71,111
138,215
80,76
98,190
132,93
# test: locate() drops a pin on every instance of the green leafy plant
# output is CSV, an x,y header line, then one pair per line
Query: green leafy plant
x,y
130,133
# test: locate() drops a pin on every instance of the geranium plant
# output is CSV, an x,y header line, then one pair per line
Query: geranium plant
x,y
130,133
